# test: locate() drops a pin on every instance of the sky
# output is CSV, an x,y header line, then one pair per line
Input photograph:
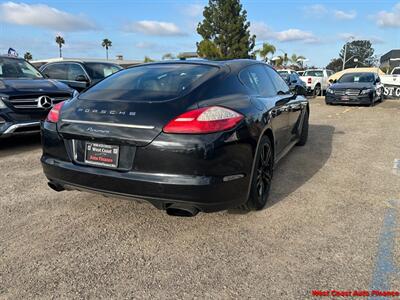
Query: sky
x,y
314,29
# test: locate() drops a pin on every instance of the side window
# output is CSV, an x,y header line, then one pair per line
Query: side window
x,y
73,71
277,80
56,71
255,78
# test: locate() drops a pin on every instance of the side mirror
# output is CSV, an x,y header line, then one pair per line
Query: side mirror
x,y
82,78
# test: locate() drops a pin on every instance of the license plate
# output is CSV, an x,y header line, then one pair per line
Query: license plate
x,y
345,98
101,155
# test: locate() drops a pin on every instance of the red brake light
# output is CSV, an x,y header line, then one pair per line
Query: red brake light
x,y
54,113
204,120
309,80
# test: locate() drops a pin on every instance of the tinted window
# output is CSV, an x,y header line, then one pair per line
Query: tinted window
x,y
285,76
73,71
316,73
17,68
56,71
156,82
98,71
277,80
294,77
357,77
256,79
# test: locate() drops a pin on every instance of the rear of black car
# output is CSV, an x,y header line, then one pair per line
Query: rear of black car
x,y
135,134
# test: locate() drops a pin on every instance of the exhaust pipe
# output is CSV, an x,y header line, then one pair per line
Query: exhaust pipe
x,y
181,211
56,187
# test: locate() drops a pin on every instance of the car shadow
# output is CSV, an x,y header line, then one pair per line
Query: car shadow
x,y
302,163
17,144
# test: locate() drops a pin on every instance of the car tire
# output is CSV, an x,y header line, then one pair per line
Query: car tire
x,y
317,90
262,177
304,131
372,102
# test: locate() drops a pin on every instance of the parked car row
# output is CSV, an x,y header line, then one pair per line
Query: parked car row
x,y
27,94
186,136
79,74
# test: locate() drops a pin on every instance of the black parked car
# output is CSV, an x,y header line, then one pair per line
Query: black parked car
x,y
294,82
79,74
26,96
356,88
186,136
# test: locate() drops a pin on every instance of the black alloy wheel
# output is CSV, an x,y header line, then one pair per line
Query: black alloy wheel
x,y
262,177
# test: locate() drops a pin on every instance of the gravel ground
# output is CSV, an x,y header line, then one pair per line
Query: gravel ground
x,y
321,229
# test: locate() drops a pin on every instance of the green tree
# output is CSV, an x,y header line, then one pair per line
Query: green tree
x,y
335,64
60,41
147,59
208,49
225,31
28,56
360,49
168,56
106,44
297,59
266,50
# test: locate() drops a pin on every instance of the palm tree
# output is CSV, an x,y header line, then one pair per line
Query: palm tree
x,y
28,56
107,44
282,60
60,41
266,50
297,60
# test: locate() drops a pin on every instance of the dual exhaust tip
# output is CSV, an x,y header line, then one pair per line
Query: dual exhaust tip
x,y
179,210
176,210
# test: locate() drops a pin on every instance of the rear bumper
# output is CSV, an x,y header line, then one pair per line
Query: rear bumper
x,y
207,194
8,129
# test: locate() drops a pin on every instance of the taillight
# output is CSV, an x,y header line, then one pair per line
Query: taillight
x,y
309,80
54,113
204,120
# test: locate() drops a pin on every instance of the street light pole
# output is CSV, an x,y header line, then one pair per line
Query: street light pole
x,y
344,55
345,51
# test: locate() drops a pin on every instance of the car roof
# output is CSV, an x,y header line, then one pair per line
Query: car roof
x,y
351,73
81,61
233,65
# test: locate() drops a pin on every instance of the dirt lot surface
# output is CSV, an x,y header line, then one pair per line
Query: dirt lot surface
x,y
329,225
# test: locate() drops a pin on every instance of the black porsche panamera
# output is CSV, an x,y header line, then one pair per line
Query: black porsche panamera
x,y
187,136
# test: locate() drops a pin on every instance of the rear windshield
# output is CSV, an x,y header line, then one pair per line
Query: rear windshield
x,y
100,70
158,82
315,73
357,77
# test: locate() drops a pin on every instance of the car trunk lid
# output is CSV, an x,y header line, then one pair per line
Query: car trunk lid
x,y
122,122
